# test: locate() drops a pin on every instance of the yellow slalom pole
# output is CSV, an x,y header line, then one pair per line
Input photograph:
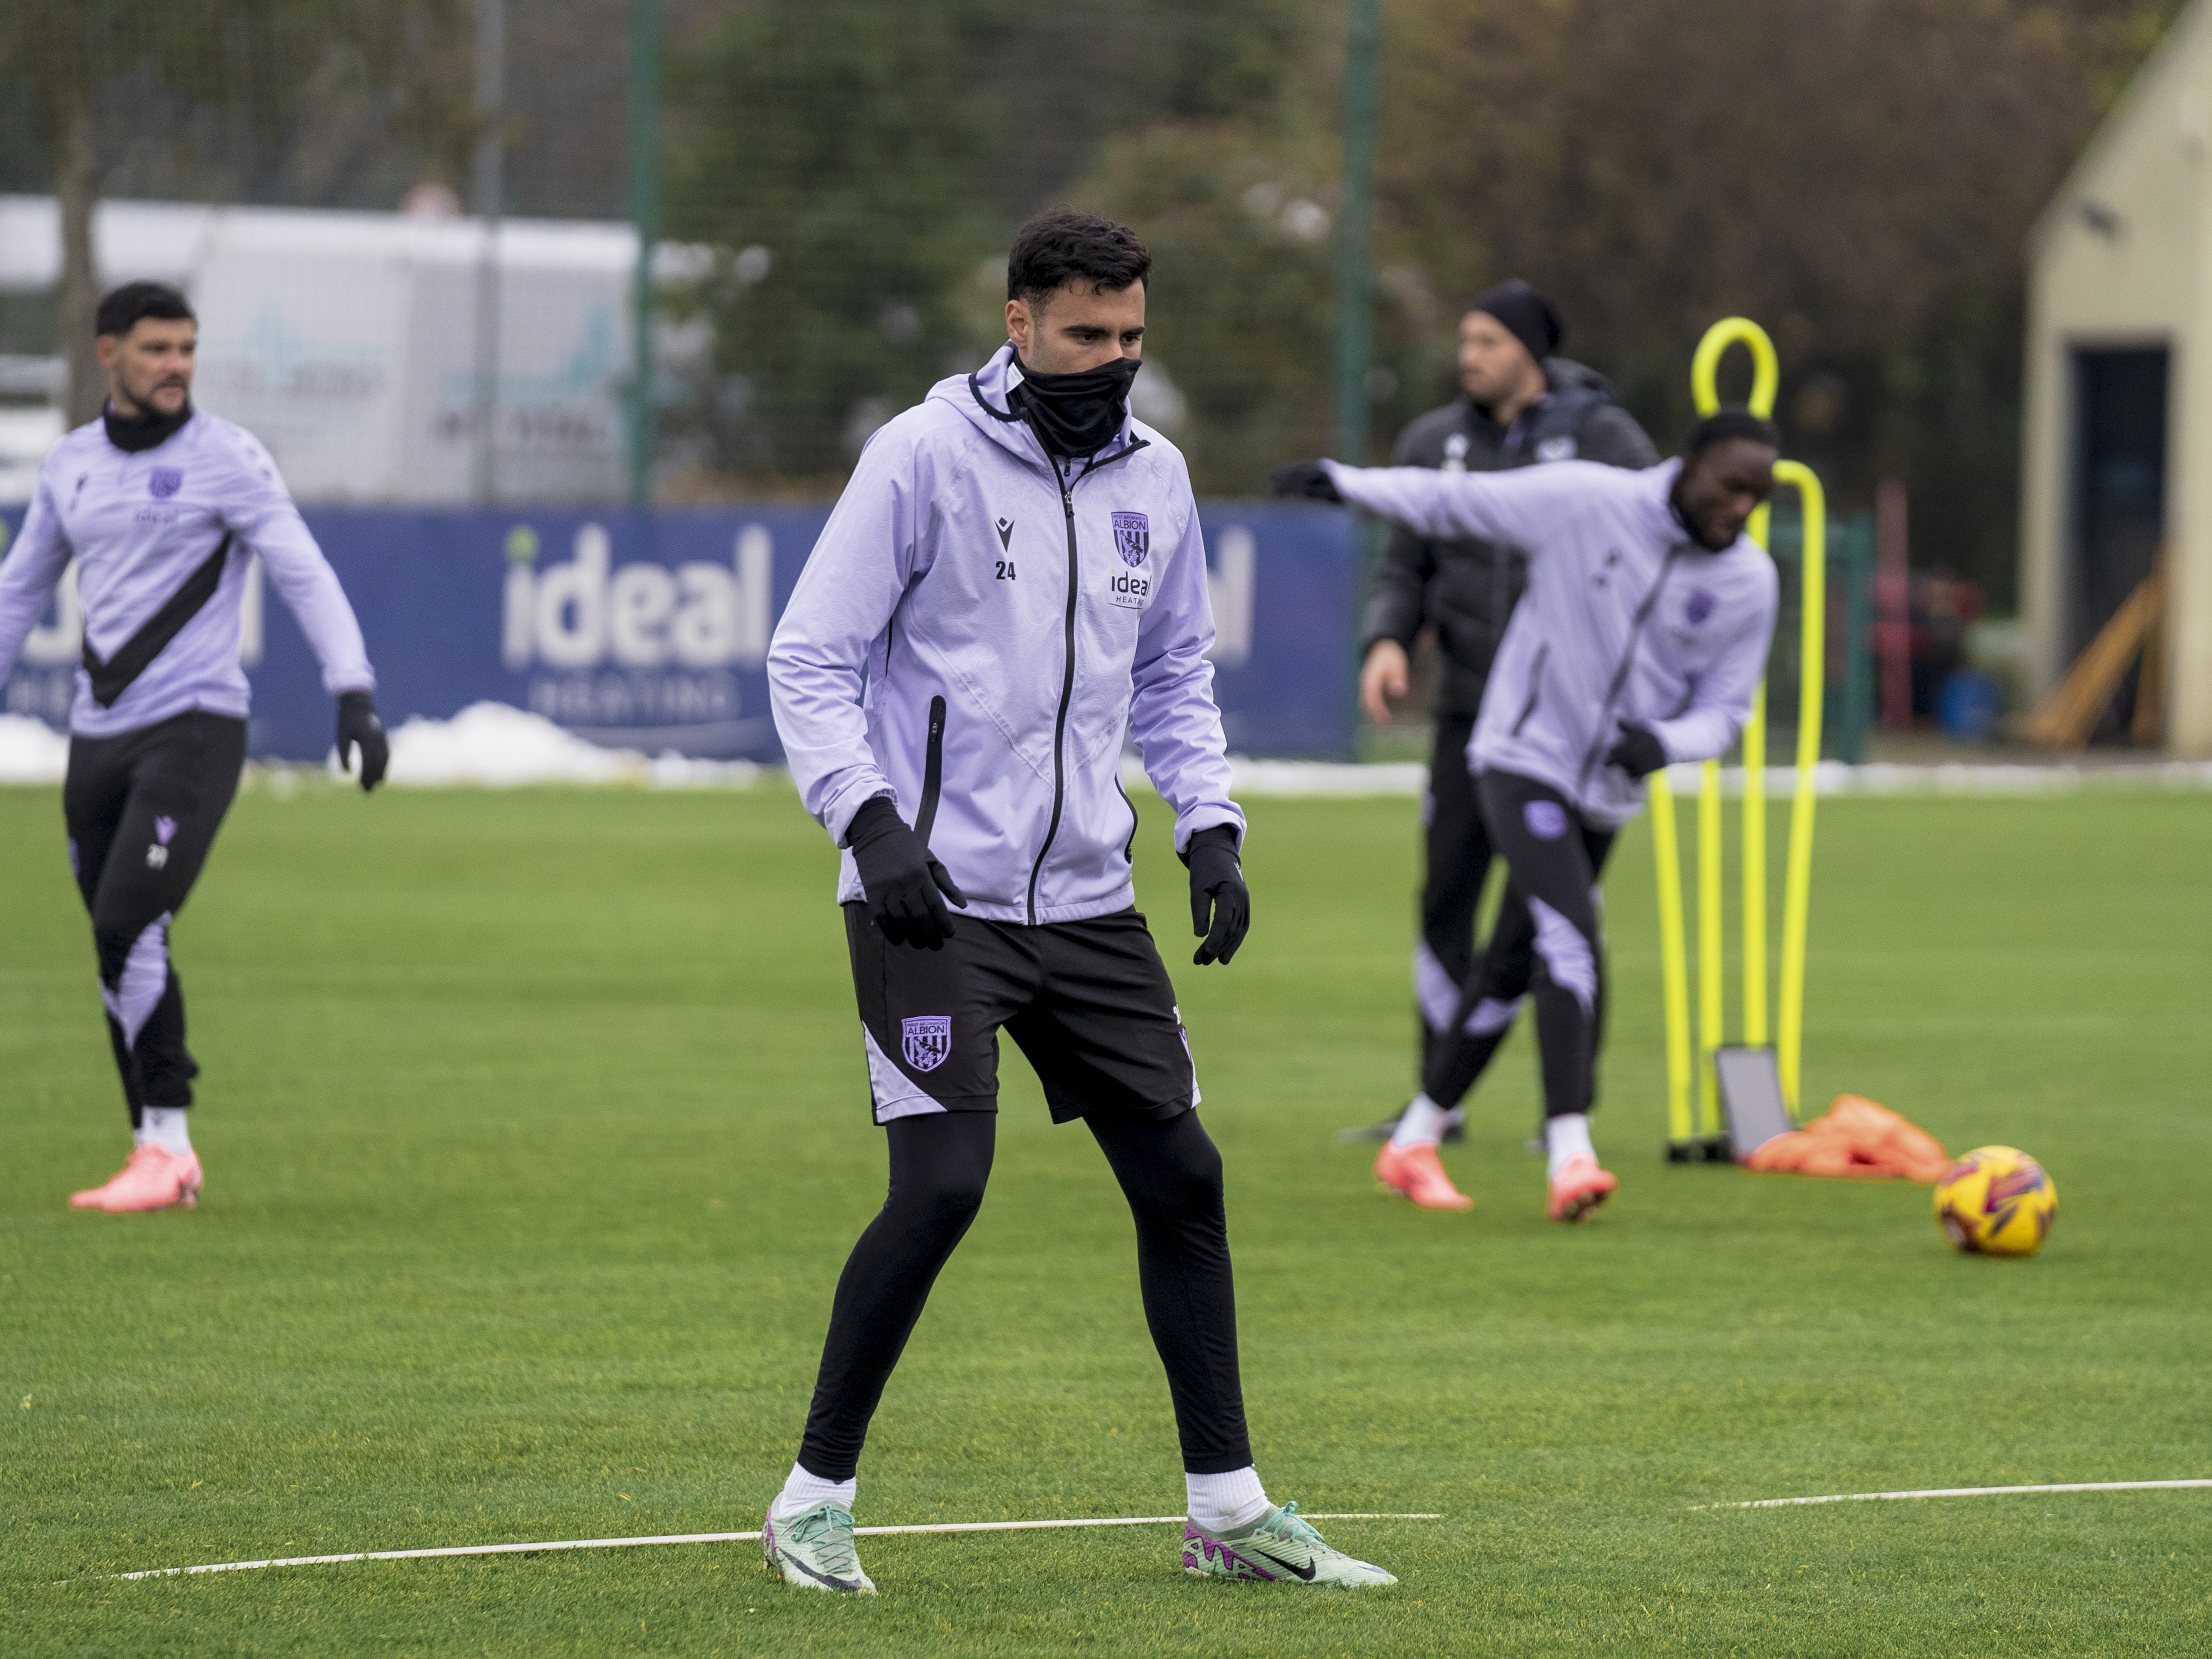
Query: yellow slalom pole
x,y
1711,960
1766,379
1673,974
1754,848
1755,873
1766,369
1797,890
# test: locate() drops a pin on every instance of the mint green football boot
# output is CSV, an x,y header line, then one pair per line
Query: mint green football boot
x,y
1279,1545
815,1549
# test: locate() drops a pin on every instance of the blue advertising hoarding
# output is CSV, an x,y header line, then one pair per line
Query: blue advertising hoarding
x,y
649,630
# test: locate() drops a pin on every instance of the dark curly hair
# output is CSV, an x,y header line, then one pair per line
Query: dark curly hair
x,y
121,309
1061,245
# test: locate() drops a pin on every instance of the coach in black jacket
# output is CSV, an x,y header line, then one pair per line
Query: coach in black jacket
x,y
1519,405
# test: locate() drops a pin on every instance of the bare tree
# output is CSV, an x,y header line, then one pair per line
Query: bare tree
x,y
264,66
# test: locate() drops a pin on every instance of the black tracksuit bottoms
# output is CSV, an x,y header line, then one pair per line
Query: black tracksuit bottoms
x,y
1548,945
1090,1005
142,811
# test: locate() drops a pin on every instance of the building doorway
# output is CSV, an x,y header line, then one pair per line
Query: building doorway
x,y
2119,497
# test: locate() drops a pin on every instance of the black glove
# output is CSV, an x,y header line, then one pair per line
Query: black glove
x,y
900,879
1637,752
1216,883
1307,479
358,724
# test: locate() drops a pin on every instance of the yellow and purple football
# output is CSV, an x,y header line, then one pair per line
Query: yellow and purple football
x,y
1997,1200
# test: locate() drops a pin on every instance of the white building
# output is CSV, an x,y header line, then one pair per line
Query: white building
x,y
2117,459
346,342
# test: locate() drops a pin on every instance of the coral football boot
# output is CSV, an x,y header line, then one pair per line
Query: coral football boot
x,y
1417,1172
152,1180
1579,1188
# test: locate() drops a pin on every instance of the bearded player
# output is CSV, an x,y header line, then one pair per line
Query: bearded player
x,y
162,507
1011,585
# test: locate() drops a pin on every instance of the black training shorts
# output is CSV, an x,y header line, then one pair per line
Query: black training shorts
x,y
1088,1002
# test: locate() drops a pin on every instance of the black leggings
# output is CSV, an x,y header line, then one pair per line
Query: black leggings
x,y
1547,945
1456,849
142,811
1171,1173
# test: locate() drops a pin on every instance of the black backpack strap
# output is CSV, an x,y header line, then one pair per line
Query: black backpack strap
x,y
111,678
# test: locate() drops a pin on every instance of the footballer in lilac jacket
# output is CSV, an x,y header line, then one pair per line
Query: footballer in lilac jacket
x,y
1011,587
159,510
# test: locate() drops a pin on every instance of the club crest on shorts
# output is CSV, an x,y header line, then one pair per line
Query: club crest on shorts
x,y
1132,537
1546,819
164,482
927,1040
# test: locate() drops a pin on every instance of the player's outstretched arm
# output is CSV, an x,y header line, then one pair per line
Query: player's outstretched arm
x,y
1518,507
28,574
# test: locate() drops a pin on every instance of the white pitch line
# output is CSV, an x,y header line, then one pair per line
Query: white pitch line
x,y
1960,1492
712,1538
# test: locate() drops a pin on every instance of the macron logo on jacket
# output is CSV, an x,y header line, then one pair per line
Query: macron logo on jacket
x,y
1053,613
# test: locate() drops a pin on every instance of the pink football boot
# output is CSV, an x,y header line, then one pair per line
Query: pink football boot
x,y
152,1180
1579,1188
1417,1172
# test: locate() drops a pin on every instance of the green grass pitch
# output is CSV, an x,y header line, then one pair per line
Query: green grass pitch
x,y
536,1135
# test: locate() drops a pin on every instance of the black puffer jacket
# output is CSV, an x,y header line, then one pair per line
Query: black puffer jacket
x,y
1468,589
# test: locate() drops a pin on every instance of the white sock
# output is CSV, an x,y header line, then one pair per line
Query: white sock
x,y
1422,1124
1223,1502
164,1126
1566,1136
802,1492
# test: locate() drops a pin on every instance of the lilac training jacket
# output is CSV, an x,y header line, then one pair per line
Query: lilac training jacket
x,y
139,524
967,601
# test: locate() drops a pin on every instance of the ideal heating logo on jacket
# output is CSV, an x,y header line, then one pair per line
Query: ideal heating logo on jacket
x,y
1131,587
582,614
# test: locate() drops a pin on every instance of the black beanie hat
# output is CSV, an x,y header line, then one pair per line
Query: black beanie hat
x,y
1527,315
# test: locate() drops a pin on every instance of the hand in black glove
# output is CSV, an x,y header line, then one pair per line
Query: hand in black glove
x,y
1216,883
1307,479
900,879
1638,750
358,724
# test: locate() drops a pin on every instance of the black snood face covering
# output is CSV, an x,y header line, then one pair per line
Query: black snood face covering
x,y
132,433
1075,415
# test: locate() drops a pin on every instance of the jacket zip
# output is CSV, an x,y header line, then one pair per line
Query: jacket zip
x,y
1627,658
1535,686
1067,677
1129,848
932,772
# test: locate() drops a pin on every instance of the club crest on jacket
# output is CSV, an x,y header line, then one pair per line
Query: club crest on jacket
x,y
164,482
1132,537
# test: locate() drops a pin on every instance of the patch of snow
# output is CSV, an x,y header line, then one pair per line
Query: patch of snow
x,y
492,744
31,751
1272,777
1955,778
